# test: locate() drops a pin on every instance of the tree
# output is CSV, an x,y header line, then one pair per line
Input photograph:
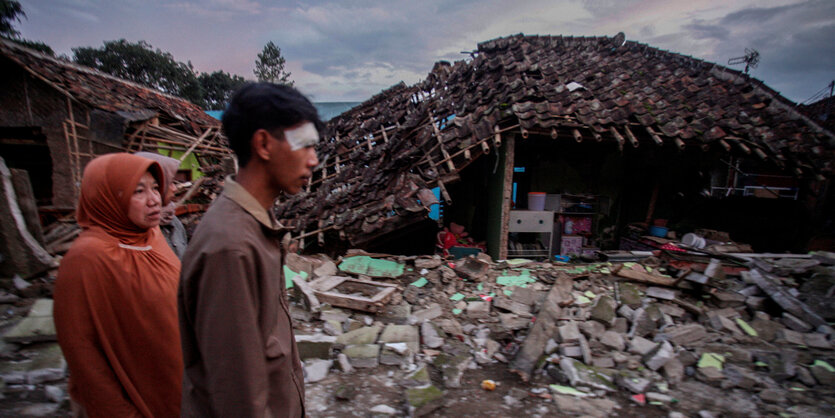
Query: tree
x,y
218,88
141,63
10,12
270,66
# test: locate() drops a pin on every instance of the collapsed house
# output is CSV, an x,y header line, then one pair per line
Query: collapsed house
x,y
619,130
56,116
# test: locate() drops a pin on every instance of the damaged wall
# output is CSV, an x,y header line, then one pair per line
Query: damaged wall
x,y
28,102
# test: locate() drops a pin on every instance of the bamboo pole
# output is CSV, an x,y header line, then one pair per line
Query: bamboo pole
x,y
444,152
195,144
631,136
654,136
617,136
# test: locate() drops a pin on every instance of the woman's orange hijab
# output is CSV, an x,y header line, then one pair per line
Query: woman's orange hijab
x,y
115,300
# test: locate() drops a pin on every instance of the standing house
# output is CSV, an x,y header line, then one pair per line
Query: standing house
x,y
634,133
55,116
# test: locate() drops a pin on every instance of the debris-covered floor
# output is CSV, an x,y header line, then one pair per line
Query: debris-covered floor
x,y
670,334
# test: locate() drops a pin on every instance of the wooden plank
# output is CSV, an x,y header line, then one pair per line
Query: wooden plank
x,y
330,294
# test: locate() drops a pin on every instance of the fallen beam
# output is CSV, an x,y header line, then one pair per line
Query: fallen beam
x,y
543,329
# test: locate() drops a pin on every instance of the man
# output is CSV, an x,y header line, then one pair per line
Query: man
x,y
238,347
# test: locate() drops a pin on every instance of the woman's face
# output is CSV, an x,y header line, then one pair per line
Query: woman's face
x,y
145,204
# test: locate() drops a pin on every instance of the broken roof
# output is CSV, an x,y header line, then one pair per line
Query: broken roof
x,y
379,156
103,91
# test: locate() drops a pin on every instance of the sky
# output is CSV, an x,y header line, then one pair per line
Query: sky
x,y
350,51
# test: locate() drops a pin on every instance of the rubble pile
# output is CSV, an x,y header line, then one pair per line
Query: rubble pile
x,y
379,335
706,336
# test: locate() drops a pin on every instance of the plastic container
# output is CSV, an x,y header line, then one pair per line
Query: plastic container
x,y
536,201
692,240
658,231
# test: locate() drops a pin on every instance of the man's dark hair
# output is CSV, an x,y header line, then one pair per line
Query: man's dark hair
x,y
264,106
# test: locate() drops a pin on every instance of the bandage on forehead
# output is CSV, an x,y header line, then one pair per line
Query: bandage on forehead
x,y
302,137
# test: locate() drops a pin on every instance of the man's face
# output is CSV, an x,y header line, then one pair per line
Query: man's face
x,y
293,160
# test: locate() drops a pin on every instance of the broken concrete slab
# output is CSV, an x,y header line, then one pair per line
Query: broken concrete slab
x,y
431,312
452,368
794,323
512,322
787,336
580,374
642,324
603,310
728,299
419,377
641,346
673,371
315,346
344,363
396,354
512,306
402,334
37,326
660,356
363,355
613,340
661,293
423,400
823,372
817,340
634,384
629,295
316,370
685,335
364,335
472,268
569,333
432,336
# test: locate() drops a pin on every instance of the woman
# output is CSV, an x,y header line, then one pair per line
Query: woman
x,y
115,297
171,227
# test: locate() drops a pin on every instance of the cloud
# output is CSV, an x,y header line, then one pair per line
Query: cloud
x,y
217,9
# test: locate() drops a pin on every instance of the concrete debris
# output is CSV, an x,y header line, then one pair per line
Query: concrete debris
x,y
587,337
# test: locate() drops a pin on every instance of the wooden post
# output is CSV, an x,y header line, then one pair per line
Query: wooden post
x,y
507,193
